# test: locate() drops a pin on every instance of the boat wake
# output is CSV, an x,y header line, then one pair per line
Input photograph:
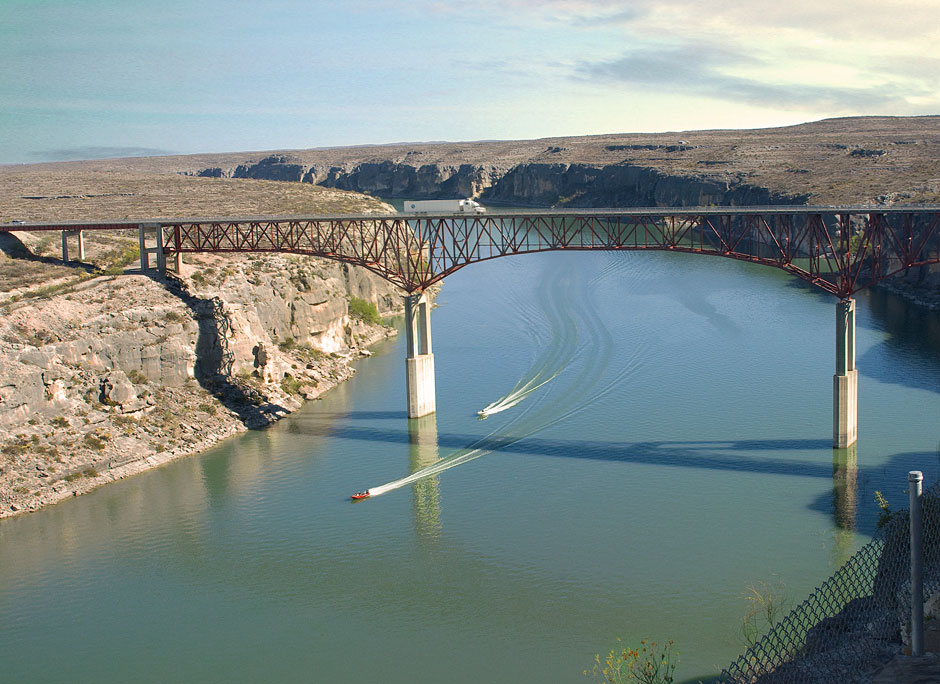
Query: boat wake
x,y
519,392
575,331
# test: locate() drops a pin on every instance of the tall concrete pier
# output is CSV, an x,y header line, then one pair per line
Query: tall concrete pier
x,y
157,250
66,234
419,365
845,381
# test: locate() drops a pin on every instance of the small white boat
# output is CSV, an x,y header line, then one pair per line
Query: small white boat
x,y
482,414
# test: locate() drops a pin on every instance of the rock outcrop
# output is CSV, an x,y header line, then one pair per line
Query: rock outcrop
x,y
122,373
530,183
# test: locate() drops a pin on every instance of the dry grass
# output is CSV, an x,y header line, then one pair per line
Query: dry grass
x,y
30,263
70,192
832,161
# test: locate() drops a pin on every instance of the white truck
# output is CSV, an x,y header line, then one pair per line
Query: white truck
x,y
451,206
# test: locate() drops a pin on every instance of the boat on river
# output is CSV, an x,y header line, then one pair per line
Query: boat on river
x,y
359,496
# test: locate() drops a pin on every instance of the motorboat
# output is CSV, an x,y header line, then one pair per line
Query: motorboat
x,y
483,415
359,496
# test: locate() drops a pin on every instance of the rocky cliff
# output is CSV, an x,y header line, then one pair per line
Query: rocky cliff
x,y
91,391
529,184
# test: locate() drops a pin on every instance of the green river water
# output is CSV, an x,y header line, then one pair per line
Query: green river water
x,y
679,452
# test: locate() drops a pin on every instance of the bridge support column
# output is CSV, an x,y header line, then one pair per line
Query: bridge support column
x,y
419,364
845,381
156,250
66,234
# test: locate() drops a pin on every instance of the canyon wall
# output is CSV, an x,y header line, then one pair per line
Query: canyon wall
x,y
528,184
119,374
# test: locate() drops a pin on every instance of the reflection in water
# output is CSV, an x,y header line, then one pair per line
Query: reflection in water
x,y
909,354
424,452
844,500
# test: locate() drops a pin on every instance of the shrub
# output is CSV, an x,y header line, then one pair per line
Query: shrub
x,y
291,385
885,514
364,310
93,442
767,604
647,664
136,377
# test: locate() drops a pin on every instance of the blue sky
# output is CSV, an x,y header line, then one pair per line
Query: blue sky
x,y
91,78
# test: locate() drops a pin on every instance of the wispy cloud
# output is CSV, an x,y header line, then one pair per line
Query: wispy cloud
x,y
704,71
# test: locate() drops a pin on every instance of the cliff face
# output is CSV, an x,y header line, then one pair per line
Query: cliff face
x,y
530,183
90,391
621,185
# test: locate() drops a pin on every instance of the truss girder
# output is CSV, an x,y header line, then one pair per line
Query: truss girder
x,y
839,250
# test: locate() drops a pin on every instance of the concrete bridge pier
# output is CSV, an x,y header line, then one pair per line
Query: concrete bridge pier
x,y
845,381
157,250
419,364
66,234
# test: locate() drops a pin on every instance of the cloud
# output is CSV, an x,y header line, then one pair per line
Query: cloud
x,y
96,152
704,71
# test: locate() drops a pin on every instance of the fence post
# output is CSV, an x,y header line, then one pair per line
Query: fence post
x,y
915,479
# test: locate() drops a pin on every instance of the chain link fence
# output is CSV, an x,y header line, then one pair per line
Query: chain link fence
x,y
857,620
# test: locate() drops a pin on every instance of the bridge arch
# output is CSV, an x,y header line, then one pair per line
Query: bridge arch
x,y
841,250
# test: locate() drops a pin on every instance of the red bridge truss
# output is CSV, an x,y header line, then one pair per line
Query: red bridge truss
x,y
839,249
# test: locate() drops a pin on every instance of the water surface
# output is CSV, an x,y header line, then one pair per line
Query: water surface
x,y
680,452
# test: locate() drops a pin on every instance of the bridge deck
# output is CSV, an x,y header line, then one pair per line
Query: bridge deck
x,y
495,213
841,249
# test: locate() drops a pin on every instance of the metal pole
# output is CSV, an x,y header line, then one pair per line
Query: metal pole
x,y
915,479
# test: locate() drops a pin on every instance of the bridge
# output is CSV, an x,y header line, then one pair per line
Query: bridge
x,y
839,249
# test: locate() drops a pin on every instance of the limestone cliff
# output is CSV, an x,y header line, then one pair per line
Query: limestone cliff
x,y
117,374
531,183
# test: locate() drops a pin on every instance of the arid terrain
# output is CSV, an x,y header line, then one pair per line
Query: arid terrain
x,y
108,371
835,161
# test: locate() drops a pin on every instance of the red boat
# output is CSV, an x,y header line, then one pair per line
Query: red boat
x,y
358,496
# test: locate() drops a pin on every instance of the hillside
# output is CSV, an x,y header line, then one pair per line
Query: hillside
x,y
105,371
835,161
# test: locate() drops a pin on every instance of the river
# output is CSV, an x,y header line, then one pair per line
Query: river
x,y
678,451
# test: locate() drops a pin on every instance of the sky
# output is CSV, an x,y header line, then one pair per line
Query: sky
x,y
83,79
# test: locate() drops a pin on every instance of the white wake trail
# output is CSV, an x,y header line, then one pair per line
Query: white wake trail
x,y
597,346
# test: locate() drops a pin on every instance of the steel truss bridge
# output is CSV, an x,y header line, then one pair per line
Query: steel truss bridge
x,y
839,249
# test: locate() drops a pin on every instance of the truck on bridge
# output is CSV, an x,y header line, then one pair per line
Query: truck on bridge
x,y
450,206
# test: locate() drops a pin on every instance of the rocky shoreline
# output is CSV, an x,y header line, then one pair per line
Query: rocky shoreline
x,y
121,374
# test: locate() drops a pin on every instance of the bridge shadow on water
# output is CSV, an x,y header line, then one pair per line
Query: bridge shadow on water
x,y
706,454
851,500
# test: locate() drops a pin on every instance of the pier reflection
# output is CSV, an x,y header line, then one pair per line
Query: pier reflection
x,y
422,433
844,500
